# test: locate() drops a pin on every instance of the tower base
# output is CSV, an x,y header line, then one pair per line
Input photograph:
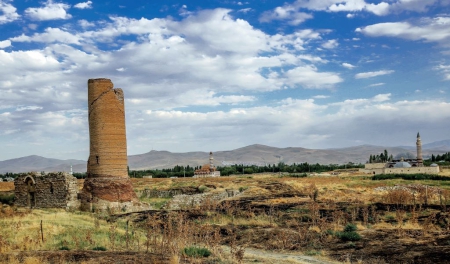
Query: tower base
x,y
109,193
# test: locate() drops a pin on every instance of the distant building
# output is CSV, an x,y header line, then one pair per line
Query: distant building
x,y
409,166
207,170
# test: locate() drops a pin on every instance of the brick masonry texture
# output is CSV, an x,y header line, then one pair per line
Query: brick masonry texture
x,y
108,143
107,178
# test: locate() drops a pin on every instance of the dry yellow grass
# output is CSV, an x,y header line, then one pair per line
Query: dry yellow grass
x,y
6,186
76,230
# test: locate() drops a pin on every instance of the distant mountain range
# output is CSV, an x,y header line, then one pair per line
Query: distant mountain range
x,y
253,154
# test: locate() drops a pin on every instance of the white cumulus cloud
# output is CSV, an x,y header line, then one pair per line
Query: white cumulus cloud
x,y
310,77
428,29
8,12
5,44
289,10
84,5
49,36
50,11
286,12
330,44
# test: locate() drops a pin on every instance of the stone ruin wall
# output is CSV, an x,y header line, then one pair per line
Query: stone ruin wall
x,y
380,168
184,201
53,190
412,170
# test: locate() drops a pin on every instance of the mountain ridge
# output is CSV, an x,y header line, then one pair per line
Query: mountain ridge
x,y
257,154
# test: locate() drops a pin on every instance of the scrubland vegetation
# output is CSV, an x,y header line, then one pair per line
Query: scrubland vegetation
x,y
349,218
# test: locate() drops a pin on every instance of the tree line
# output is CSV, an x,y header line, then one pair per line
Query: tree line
x,y
385,157
443,157
187,171
382,157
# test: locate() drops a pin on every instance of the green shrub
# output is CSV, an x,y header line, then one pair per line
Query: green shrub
x,y
350,228
64,248
99,248
349,233
348,236
203,188
313,253
241,189
7,199
410,177
196,252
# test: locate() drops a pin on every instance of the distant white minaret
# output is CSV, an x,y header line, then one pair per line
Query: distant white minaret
x,y
419,151
211,161
71,171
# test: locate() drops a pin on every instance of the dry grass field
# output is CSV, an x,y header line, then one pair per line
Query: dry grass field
x,y
346,218
6,186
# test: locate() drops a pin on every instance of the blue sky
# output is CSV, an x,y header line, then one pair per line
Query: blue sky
x,y
219,75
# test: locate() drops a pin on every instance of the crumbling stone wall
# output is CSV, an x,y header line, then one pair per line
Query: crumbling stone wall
x,y
184,201
53,190
107,175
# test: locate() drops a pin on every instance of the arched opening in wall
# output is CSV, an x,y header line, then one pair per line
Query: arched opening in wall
x,y
373,173
51,188
31,191
98,159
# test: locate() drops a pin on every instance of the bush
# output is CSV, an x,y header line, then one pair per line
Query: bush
x,y
7,199
241,189
348,236
313,253
350,228
99,248
196,252
203,188
64,248
297,175
349,233
410,177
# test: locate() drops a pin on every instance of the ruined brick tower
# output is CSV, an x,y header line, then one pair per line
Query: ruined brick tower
x,y
107,181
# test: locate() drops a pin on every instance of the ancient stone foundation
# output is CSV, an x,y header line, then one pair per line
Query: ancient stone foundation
x,y
107,183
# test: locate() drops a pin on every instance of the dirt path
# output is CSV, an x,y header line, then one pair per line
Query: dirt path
x,y
263,256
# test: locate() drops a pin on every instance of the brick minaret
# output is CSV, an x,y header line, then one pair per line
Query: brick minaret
x,y
107,175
